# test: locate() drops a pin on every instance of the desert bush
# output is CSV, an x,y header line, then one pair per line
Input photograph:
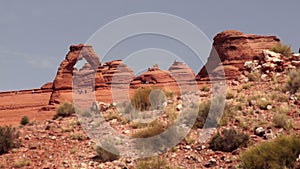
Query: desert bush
x,y
114,114
283,49
202,114
293,81
154,163
280,120
24,120
210,112
78,136
9,138
254,76
230,94
228,140
151,131
146,98
158,139
263,104
104,155
205,88
64,110
281,152
22,163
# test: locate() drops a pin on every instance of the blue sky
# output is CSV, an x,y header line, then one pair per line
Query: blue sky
x,y
36,35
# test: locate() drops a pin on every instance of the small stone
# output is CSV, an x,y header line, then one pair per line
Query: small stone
x,y
211,163
264,77
187,147
260,131
47,127
293,97
128,160
126,132
179,107
33,146
269,134
235,152
269,107
53,137
26,137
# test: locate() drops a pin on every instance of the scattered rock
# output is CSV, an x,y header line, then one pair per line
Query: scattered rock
x,y
269,134
259,131
211,163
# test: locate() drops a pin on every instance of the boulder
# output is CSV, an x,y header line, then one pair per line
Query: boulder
x,y
231,49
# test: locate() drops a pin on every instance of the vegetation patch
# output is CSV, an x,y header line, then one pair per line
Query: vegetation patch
x,y
64,110
148,98
281,152
154,163
24,120
228,140
9,138
293,81
282,49
104,155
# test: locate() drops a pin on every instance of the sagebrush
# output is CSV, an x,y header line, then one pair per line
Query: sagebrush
x,y
9,138
228,140
65,110
282,49
279,153
293,81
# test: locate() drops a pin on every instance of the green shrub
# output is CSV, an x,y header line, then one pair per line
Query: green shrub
x,y
146,98
78,136
254,76
279,153
293,81
205,88
263,104
230,94
151,131
228,140
9,138
202,114
280,120
65,110
210,112
283,49
154,163
24,120
104,155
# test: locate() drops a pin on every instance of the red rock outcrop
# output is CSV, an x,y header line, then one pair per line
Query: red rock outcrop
x,y
116,72
153,76
181,72
232,49
63,83
47,86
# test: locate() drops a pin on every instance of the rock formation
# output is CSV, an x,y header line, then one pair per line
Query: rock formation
x,y
116,72
63,83
181,72
232,49
154,75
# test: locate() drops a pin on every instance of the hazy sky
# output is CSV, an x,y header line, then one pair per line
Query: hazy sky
x,y
36,35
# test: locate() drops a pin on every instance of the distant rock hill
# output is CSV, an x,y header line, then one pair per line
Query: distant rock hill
x,y
233,52
233,48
